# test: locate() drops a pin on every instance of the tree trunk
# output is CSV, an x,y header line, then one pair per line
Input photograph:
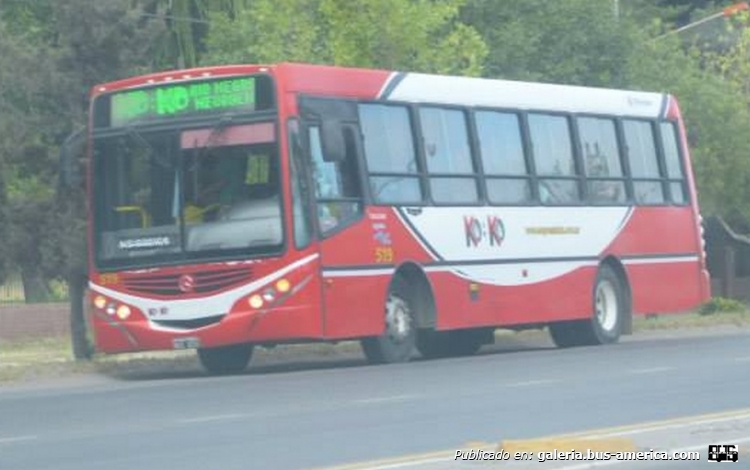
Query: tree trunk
x,y
35,288
82,347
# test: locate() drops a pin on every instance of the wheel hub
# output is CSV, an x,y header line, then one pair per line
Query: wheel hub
x,y
398,320
606,305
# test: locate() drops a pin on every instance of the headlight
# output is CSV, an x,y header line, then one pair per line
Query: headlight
x,y
123,312
100,302
255,301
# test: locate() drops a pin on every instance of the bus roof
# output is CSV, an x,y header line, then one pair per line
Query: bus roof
x,y
470,91
362,83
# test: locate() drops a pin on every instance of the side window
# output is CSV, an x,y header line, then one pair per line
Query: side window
x,y
302,224
553,156
672,160
337,188
390,154
601,160
640,148
446,142
501,148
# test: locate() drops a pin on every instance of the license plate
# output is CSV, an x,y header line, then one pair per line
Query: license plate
x,y
186,343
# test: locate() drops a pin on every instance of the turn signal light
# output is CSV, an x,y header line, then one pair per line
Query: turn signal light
x,y
283,286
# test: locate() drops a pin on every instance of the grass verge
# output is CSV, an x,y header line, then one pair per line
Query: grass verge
x,y
28,360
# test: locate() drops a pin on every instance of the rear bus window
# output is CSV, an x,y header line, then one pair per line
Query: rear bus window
x,y
640,149
672,160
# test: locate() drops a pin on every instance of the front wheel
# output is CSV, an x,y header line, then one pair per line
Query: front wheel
x,y
398,341
605,326
225,360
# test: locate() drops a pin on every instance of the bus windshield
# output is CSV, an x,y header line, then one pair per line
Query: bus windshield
x,y
200,193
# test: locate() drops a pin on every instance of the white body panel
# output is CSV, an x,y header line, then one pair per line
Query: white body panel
x,y
467,91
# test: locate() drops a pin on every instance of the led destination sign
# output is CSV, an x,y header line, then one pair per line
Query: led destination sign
x,y
176,100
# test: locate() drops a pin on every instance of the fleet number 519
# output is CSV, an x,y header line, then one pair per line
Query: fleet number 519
x,y
384,254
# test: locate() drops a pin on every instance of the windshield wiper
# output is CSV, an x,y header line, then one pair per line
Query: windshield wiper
x,y
224,121
137,137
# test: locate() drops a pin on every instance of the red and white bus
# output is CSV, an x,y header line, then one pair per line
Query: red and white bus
x,y
253,205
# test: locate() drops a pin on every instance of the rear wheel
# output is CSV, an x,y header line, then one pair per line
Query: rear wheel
x,y
224,360
605,326
397,342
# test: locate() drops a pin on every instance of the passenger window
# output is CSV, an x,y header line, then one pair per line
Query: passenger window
x,y
601,159
553,156
390,154
448,155
503,160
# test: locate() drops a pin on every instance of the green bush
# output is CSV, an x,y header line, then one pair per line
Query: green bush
x,y
721,304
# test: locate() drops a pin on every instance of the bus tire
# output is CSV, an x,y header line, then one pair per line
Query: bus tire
x,y
398,341
466,342
225,360
439,344
605,325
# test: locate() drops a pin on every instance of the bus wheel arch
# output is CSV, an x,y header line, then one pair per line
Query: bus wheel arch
x,y
611,310
409,306
421,293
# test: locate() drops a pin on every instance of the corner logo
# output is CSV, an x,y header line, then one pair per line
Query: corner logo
x,y
186,283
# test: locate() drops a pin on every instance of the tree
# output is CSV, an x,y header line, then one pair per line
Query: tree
x,y
573,41
47,67
420,35
188,24
716,117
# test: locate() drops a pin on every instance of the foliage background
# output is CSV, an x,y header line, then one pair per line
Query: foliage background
x,y
52,52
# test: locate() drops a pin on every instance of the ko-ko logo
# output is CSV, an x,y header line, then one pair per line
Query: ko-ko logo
x,y
489,230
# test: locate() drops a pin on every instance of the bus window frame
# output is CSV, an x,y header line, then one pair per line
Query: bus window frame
x,y
530,176
306,124
661,179
680,161
476,176
420,174
625,179
577,176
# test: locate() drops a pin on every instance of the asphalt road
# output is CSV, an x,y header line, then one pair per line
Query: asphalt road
x,y
310,417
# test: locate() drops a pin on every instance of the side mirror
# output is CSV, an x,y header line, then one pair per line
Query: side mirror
x,y
71,153
332,141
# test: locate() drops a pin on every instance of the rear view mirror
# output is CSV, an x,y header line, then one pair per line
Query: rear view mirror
x,y
71,158
332,141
